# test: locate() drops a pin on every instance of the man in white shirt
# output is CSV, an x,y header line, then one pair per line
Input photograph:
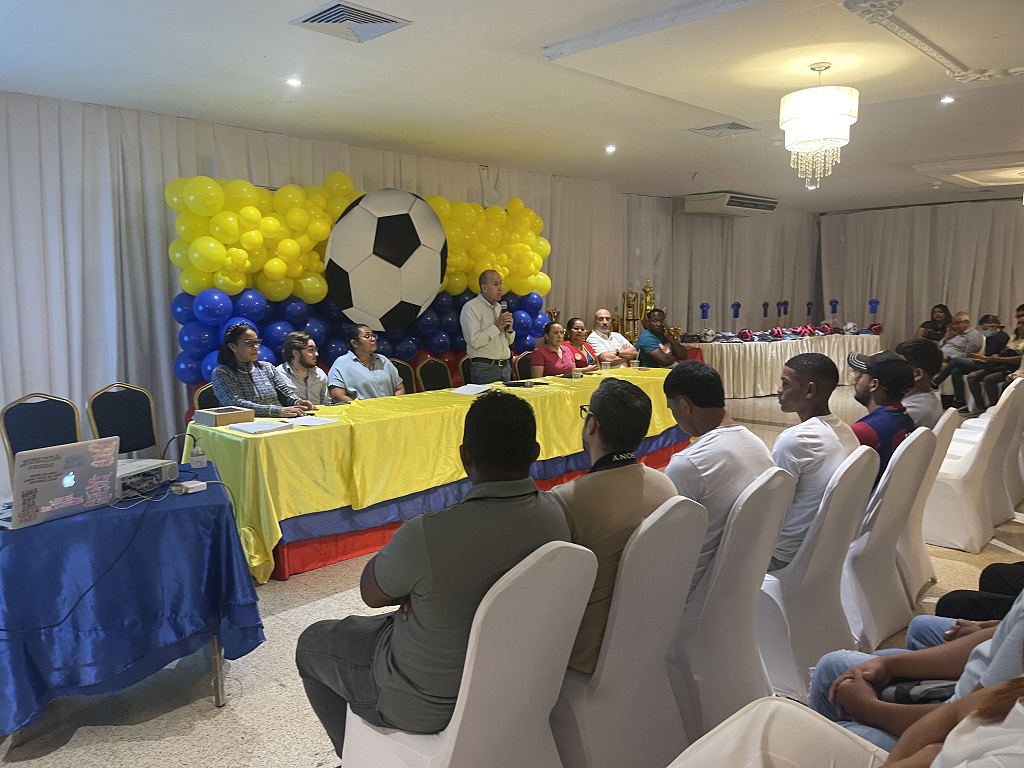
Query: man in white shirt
x,y
812,450
611,347
718,467
487,328
923,404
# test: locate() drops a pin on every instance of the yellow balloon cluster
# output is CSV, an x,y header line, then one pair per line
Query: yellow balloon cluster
x,y
507,240
233,235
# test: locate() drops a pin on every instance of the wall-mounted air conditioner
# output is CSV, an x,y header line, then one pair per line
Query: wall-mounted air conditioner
x,y
728,204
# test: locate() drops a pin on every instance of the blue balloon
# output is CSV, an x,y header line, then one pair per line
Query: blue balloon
x,y
208,364
295,311
197,340
212,306
328,309
458,341
524,343
400,333
340,328
251,304
511,300
522,322
317,329
532,303
187,370
405,348
448,321
332,349
442,303
273,335
438,344
462,298
181,308
384,347
427,323
538,324
233,321
267,355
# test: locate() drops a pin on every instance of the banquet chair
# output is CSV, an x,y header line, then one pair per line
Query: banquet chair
x,y
800,614
521,367
433,374
519,646
873,595
407,374
714,665
960,508
205,397
912,558
125,411
464,369
624,713
38,420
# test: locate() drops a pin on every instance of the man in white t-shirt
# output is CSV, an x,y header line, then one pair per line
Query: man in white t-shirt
x,y
611,347
812,450
923,403
718,467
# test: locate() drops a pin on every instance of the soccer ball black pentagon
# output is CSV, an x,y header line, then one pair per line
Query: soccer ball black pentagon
x,y
385,260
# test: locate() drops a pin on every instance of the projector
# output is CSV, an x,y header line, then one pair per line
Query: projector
x,y
136,477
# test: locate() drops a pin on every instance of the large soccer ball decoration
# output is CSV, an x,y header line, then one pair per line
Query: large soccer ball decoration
x,y
385,260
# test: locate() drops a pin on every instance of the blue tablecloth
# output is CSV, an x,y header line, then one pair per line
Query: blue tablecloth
x,y
96,602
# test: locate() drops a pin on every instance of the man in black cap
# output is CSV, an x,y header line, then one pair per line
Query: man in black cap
x,y
882,380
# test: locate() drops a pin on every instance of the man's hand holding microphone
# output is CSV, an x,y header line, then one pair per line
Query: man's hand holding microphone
x,y
504,321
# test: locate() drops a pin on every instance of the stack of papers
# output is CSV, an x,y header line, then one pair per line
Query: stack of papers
x,y
312,421
471,389
259,427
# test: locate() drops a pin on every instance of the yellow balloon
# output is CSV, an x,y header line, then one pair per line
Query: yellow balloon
x,y
275,290
207,253
515,205
543,283
239,194
256,261
537,225
270,226
314,189
203,195
287,197
251,240
178,253
496,215
511,238
316,204
311,288
317,266
231,282
193,281
318,229
296,268
225,227
266,203
479,251
236,258
502,270
174,195
249,216
491,236
297,218
335,207
288,249
191,225
543,247
518,285
530,239
458,282
275,269
305,243
338,183
441,207
522,223
463,213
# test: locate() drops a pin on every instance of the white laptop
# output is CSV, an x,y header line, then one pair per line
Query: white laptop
x,y
50,483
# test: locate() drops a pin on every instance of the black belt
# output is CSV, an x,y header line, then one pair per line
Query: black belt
x,y
488,360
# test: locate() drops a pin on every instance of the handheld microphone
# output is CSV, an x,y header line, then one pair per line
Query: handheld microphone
x,y
504,306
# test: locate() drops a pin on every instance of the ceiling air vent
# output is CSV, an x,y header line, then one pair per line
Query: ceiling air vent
x,y
349,21
725,129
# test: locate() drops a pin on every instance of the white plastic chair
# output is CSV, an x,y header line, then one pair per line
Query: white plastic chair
x,y
624,713
961,506
715,667
912,558
800,614
519,646
873,595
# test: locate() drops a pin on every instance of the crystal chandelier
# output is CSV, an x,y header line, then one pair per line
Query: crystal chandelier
x,y
817,123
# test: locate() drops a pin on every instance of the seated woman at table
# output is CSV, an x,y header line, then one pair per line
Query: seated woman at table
x,y
935,329
554,356
243,380
583,355
361,372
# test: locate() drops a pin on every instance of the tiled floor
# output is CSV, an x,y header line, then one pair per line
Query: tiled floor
x,y
169,719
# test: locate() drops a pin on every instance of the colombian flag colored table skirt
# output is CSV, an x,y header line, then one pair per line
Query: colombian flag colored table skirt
x,y
390,459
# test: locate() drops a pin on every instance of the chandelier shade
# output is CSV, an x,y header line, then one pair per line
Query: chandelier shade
x,y
816,122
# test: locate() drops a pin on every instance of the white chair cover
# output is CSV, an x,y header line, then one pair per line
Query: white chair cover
x,y
961,506
873,595
624,713
912,558
800,614
519,646
715,667
971,432
777,733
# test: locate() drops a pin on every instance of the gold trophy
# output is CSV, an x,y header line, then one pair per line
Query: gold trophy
x,y
632,311
554,314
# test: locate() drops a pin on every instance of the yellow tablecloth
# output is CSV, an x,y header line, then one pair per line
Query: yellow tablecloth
x,y
380,450
752,369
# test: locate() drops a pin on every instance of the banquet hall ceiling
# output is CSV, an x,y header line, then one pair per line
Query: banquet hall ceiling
x,y
545,86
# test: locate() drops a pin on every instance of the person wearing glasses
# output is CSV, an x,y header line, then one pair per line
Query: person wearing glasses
x,y
299,367
243,380
361,372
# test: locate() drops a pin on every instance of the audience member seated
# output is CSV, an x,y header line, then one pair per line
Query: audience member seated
x,y
554,356
656,349
812,450
243,380
606,505
935,329
882,379
403,669
922,402
299,367
361,372
584,356
998,586
718,467
611,347
987,382
846,685
995,337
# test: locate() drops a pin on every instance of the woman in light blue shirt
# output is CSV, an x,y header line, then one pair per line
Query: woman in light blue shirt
x,y
362,373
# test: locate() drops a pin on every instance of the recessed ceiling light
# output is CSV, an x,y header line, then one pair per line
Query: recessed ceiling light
x,y
610,149
294,82
947,100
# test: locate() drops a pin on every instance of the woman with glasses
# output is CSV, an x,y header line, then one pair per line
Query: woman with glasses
x,y
242,379
583,355
361,372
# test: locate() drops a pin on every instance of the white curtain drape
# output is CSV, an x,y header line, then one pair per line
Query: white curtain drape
x,y
969,256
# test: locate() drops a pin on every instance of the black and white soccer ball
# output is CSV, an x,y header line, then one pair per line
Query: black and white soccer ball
x,y
385,259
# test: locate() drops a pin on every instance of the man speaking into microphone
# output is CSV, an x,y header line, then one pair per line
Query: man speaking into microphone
x,y
487,327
